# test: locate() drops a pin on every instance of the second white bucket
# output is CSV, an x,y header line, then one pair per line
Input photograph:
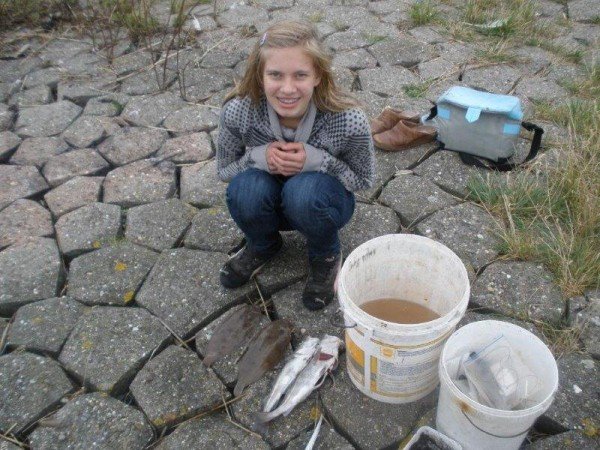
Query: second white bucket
x,y
392,362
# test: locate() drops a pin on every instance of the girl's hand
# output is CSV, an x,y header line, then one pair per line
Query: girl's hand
x,y
289,158
272,149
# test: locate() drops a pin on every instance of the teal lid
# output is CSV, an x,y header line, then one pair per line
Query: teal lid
x,y
477,102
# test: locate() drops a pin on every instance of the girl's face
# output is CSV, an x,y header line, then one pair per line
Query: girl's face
x,y
289,80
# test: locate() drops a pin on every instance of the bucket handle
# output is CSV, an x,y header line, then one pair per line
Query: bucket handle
x,y
492,434
333,320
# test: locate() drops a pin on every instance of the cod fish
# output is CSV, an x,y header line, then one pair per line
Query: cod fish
x,y
292,368
311,378
264,352
235,331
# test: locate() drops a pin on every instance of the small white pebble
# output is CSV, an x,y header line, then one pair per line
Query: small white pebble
x,y
577,389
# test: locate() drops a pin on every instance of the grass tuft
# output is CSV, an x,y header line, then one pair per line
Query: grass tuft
x,y
423,12
417,90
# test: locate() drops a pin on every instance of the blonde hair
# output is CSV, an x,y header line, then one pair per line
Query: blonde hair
x,y
286,34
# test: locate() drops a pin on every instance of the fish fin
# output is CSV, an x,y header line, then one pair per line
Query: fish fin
x,y
262,418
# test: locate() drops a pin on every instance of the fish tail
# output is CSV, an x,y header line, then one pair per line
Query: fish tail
x,y
208,360
261,418
238,389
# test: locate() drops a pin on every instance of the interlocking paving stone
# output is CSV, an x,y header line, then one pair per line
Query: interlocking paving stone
x,y
583,11
183,289
87,228
474,315
588,321
226,366
368,222
109,345
467,230
499,79
94,421
436,68
76,192
148,82
402,50
30,270
568,439
213,230
63,167
130,144
19,182
370,423
111,275
49,76
9,141
88,131
541,90
519,289
108,105
288,305
129,62
239,15
428,34
287,267
45,325
456,52
151,110
327,439
24,218
6,115
37,150
191,118
345,40
386,80
281,429
46,120
214,432
140,182
447,170
81,91
200,83
414,197
186,149
354,59
38,95
576,402
30,387
200,185
159,225
175,386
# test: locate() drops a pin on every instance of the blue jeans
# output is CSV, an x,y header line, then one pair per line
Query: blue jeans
x,y
315,204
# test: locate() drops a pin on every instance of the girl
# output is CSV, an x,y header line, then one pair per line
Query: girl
x,y
294,148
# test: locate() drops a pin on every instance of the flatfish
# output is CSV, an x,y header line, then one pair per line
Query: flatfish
x,y
264,352
234,332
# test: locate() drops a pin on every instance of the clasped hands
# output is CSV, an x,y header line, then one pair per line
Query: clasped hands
x,y
285,158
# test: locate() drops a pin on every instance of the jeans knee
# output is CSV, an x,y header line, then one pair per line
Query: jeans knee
x,y
250,193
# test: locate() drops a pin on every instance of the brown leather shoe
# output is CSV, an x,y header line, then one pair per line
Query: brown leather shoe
x,y
390,117
403,135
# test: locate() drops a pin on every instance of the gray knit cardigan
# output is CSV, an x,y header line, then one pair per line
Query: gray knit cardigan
x,y
340,144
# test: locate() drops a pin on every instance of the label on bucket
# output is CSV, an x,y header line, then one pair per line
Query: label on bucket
x,y
389,370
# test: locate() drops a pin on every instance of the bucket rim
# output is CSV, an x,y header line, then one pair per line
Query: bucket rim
x,y
448,320
480,408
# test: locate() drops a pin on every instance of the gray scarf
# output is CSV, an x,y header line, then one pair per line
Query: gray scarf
x,y
302,133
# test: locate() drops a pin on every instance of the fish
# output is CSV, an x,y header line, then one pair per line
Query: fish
x,y
264,352
235,331
309,379
292,368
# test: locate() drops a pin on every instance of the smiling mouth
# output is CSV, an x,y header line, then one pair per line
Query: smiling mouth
x,y
288,101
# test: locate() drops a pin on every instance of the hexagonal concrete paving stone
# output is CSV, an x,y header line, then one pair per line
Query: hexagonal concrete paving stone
x,y
159,225
467,230
226,366
191,119
94,421
519,289
30,387
110,105
76,192
111,275
415,197
402,50
214,432
22,219
109,345
370,423
130,144
9,141
327,439
446,169
19,182
187,149
200,185
213,230
184,290
498,79
576,403
88,131
45,325
151,110
282,429
368,222
174,386
46,120
587,321
29,270
63,167
140,182
386,80
87,228
36,151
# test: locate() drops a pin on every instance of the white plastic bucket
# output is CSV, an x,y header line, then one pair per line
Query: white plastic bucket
x,y
476,426
392,362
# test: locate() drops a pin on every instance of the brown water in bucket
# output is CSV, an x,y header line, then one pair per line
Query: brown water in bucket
x,y
398,311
